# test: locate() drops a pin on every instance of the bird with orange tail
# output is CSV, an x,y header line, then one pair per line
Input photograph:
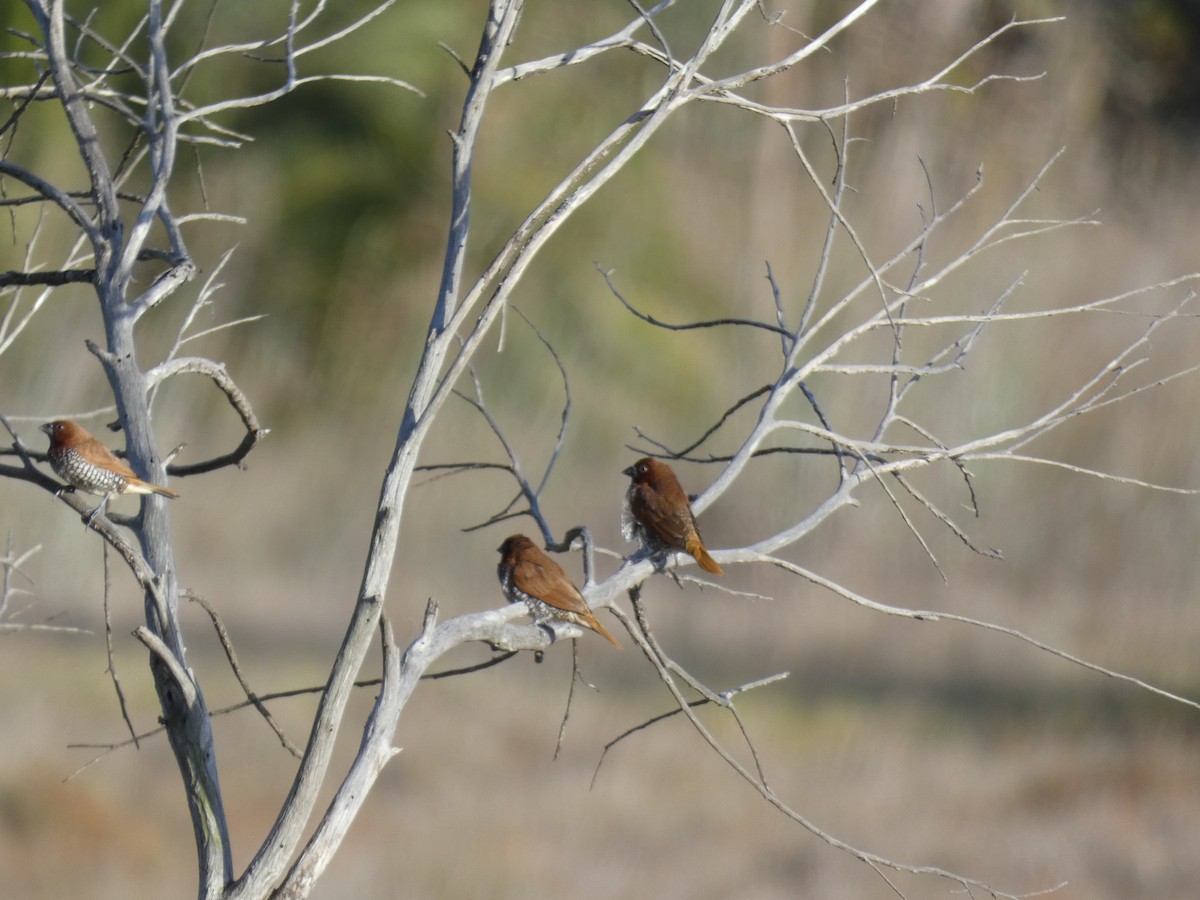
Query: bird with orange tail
x,y
657,512
86,464
528,575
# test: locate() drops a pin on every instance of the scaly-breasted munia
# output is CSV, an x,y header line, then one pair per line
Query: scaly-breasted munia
x,y
87,465
527,574
657,512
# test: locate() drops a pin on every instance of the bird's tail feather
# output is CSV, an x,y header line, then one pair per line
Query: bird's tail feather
x,y
145,487
701,556
603,632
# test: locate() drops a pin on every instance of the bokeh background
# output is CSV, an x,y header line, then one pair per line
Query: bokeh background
x,y
926,743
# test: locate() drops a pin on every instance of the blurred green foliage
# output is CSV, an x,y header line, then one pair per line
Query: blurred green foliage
x,y
344,185
344,188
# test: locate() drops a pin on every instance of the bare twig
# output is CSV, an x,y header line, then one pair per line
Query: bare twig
x,y
230,654
108,645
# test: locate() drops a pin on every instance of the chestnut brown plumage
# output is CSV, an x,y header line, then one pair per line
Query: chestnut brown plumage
x,y
657,512
87,465
528,575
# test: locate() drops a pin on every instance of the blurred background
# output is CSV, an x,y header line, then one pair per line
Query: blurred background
x,y
928,743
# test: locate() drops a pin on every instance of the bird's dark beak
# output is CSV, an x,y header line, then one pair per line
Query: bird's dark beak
x,y
46,428
628,471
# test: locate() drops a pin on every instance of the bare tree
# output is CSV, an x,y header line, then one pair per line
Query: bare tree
x,y
897,327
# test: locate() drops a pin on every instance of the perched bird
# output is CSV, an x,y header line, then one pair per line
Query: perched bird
x,y
528,574
87,465
658,513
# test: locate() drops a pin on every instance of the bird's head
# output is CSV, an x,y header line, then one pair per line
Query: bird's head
x,y
514,545
644,471
62,431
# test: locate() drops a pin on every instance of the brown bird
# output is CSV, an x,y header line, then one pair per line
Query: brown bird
x,y
528,574
658,513
87,465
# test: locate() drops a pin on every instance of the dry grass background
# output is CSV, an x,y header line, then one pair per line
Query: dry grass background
x,y
928,743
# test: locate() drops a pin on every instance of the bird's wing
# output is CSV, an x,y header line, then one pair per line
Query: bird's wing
x,y
549,586
667,517
99,454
